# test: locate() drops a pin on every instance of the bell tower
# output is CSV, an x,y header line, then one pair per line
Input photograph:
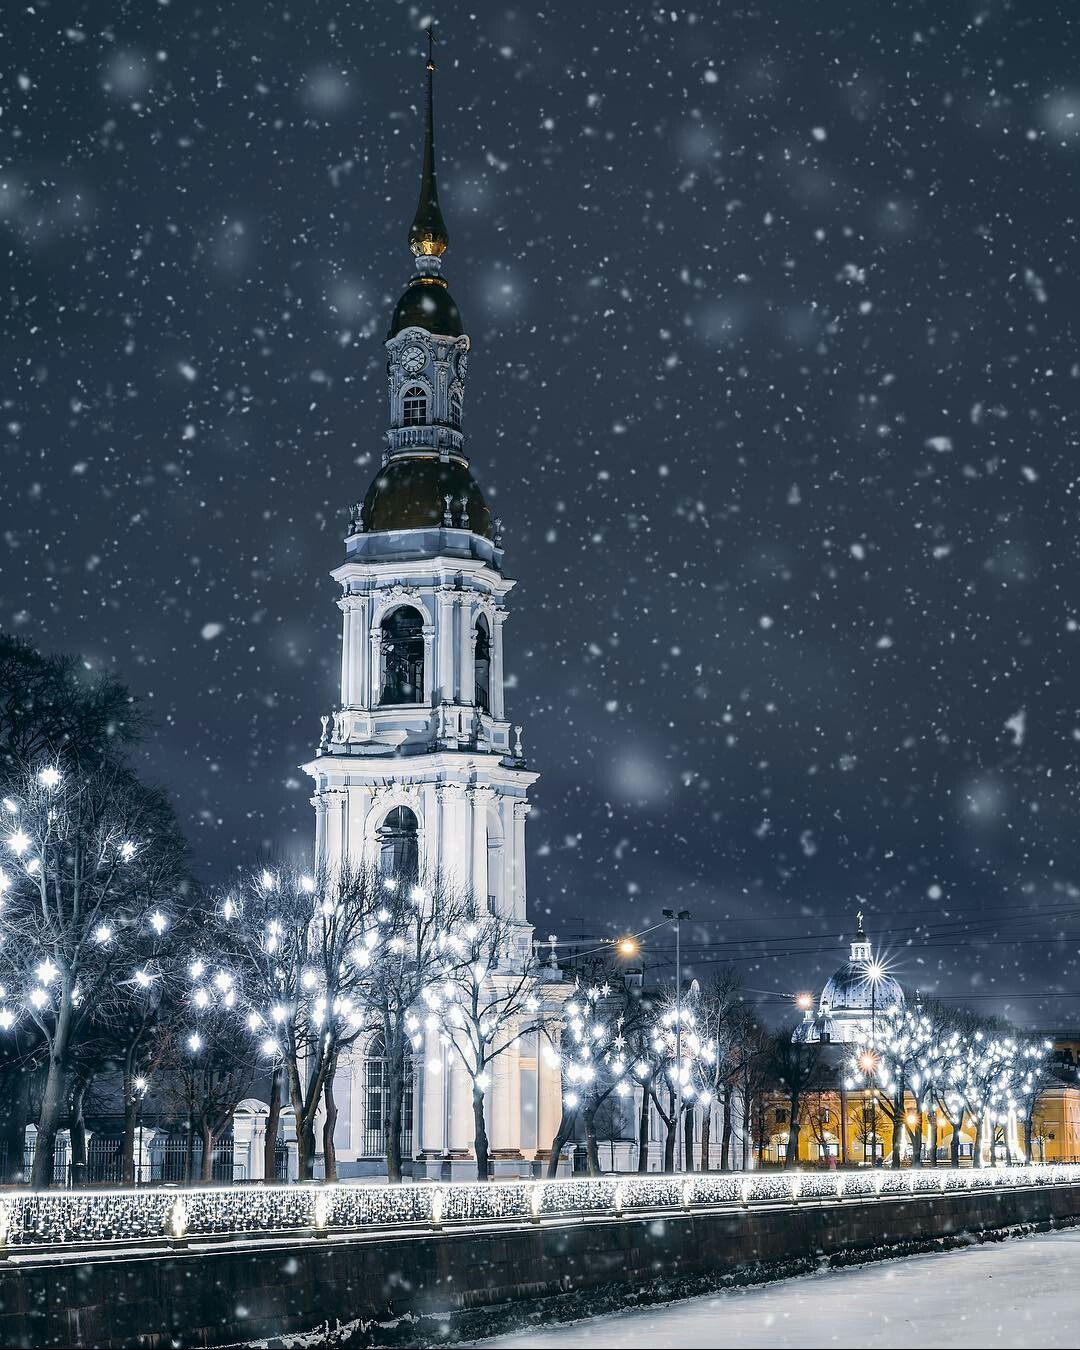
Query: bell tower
x,y
419,761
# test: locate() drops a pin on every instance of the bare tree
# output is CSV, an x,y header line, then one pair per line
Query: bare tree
x,y
490,999
593,1055
209,1073
717,1005
53,709
292,954
409,958
95,862
796,1068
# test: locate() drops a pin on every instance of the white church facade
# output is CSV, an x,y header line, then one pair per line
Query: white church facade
x,y
419,769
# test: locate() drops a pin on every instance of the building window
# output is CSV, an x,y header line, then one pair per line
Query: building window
x,y
482,665
399,851
455,406
402,657
414,407
376,1103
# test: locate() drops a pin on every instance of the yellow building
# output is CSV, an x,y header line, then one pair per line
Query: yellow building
x,y
838,1126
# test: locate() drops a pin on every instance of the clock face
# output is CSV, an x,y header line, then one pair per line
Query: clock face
x,y
413,359
461,364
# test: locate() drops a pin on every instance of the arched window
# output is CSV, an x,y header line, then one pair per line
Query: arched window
x,y
402,657
399,850
414,407
482,664
375,1084
455,405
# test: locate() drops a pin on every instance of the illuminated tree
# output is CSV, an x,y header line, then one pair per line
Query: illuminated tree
x,y
592,1057
290,956
92,863
718,1008
490,997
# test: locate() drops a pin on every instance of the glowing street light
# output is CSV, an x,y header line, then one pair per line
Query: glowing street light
x,y
628,945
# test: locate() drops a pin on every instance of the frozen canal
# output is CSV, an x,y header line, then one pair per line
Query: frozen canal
x,y
1016,1293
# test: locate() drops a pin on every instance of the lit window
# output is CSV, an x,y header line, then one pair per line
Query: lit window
x,y
414,407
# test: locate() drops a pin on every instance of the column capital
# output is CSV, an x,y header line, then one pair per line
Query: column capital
x,y
352,602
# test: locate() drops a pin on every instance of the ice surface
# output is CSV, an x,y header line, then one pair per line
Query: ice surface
x,y
1020,1293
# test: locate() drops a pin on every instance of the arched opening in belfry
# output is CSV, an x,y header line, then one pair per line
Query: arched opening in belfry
x,y
455,405
414,406
402,657
482,664
399,846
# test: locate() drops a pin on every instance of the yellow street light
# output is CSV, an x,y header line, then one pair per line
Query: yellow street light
x,y
628,946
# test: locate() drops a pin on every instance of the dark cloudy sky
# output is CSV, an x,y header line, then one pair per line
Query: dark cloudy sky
x,y
774,383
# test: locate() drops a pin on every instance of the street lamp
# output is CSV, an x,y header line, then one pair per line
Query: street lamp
x,y
875,973
678,916
140,1086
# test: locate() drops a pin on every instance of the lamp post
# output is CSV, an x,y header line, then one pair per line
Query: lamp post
x,y
874,972
678,917
141,1084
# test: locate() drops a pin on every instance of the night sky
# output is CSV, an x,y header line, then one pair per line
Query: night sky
x,y
774,384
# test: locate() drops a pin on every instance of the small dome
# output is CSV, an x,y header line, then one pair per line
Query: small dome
x,y
850,990
427,303
410,494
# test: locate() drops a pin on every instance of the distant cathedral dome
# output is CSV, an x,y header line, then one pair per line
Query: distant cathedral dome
x,y
850,999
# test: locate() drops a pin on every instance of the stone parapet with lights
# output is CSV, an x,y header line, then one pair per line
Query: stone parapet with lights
x,y
91,1220
193,1272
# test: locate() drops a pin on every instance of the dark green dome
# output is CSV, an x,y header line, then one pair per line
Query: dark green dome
x,y
410,494
427,304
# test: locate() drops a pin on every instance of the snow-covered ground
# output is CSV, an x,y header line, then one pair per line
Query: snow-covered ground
x,y
1015,1293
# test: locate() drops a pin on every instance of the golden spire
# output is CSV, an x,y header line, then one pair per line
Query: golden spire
x,y
428,236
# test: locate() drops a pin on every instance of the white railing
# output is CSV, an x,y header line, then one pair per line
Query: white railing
x,y
65,1219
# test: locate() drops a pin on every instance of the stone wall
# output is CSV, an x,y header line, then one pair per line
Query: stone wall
x,y
207,1295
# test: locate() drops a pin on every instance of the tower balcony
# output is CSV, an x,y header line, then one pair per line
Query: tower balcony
x,y
414,728
439,439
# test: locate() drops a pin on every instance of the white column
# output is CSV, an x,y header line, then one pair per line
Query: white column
x,y
521,810
429,664
358,663
444,624
480,797
428,815
467,682
497,664
461,1112
374,672
506,857
348,620
359,806
506,1103
550,1105
319,803
432,1088
336,799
